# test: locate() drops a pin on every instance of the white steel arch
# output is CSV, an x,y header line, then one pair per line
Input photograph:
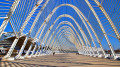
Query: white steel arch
x,y
76,31
53,41
78,36
6,20
103,30
108,18
67,32
79,13
65,15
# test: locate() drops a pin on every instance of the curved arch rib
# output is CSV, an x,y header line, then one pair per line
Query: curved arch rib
x,y
103,30
6,20
25,23
78,11
66,15
76,32
109,19
66,33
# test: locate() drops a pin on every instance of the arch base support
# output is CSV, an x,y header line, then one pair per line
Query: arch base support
x,y
8,59
101,56
19,57
96,55
112,57
116,58
27,56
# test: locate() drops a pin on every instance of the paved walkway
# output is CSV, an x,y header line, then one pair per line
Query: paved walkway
x,y
62,60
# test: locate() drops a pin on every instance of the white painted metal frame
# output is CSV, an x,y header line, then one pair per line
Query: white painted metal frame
x,y
68,32
76,31
108,18
103,30
6,20
25,23
78,11
26,39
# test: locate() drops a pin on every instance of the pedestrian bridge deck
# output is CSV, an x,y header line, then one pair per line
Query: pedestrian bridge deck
x,y
67,60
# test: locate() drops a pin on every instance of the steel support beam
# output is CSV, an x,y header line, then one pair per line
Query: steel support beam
x,y
27,54
30,15
108,18
102,28
11,48
33,52
78,12
76,31
6,20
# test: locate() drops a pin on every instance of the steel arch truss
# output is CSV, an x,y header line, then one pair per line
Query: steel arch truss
x,y
59,35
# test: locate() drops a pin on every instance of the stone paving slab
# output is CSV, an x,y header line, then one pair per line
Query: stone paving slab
x,y
62,60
